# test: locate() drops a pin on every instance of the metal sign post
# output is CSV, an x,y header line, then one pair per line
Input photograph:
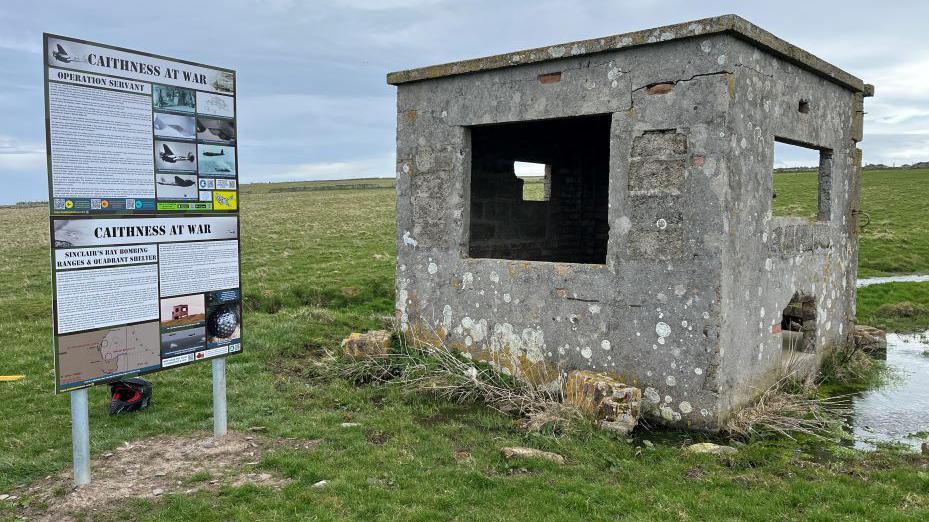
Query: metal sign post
x,y
219,397
143,180
80,437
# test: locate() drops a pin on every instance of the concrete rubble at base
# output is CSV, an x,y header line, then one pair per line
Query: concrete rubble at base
x,y
614,405
871,341
376,342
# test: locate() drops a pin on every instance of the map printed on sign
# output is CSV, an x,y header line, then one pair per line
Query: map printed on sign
x,y
144,225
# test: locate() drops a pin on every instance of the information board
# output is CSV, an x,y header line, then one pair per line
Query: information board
x,y
143,211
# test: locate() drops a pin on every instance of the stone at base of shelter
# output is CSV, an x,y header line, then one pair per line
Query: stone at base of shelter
x,y
519,452
710,448
376,342
614,405
871,341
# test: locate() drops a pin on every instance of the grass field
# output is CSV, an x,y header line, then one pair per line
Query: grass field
x,y
897,239
317,264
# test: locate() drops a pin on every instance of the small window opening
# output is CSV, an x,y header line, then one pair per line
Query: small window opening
x,y
536,179
804,106
798,325
539,190
802,180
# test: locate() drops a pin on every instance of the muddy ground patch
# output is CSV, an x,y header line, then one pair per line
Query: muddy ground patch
x,y
150,468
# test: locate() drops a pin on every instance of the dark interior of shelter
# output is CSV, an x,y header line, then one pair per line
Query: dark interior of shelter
x,y
570,224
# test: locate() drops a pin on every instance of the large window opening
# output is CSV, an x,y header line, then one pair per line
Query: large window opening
x,y
802,180
568,223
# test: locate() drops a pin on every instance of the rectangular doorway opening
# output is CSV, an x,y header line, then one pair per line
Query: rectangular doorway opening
x,y
802,180
568,223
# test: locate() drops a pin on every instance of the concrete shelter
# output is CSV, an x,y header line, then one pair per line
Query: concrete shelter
x,y
654,255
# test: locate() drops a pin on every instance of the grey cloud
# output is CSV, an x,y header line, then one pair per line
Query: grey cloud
x,y
312,96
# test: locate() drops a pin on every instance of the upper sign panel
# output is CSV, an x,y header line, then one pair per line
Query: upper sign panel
x,y
134,133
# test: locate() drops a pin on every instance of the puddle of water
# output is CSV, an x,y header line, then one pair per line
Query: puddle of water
x,y
898,410
915,278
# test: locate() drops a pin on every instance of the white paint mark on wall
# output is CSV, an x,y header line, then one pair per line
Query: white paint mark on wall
x,y
408,239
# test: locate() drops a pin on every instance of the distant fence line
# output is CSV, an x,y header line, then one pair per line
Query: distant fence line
x,y
310,188
26,204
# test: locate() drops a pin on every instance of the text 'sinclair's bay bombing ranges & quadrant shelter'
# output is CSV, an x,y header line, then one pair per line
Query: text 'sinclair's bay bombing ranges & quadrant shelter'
x,y
143,193
654,257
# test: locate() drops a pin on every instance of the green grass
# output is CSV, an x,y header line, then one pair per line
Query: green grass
x,y
899,307
897,239
319,264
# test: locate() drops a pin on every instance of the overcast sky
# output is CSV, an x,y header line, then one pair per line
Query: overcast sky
x,y
312,97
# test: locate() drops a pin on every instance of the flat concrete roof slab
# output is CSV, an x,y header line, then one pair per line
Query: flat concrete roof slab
x,y
729,24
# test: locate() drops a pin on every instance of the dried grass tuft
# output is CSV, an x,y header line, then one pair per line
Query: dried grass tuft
x,y
790,407
430,366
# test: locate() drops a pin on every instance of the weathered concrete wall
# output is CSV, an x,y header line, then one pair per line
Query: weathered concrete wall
x,y
687,268
768,259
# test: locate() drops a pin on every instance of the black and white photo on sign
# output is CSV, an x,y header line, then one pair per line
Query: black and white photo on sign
x,y
215,104
175,155
215,129
217,160
224,81
183,341
177,99
173,126
176,186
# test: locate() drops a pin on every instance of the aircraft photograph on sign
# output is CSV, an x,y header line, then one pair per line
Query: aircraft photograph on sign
x,y
168,125
215,129
175,155
217,160
176,186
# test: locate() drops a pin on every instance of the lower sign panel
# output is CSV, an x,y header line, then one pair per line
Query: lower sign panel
x,y
170,298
